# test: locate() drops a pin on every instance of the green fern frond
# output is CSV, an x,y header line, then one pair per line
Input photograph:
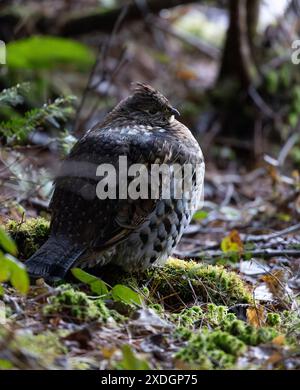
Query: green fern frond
x,y
17,129
14,95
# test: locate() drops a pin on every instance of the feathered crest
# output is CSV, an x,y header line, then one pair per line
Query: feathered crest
x,y
146,89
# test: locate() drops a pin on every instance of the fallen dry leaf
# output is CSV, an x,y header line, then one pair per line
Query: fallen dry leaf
x,y
107,353
232,243
276,282
256,316
279,340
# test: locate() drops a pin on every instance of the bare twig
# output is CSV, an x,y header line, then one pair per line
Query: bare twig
x,y
260,103
263,253
292,140
266,237
103,50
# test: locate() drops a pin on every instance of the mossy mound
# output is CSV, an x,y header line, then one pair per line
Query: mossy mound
x,y
22,349
212,349
182,282
76,306
29,235
215,338
46,346
188,318
289,324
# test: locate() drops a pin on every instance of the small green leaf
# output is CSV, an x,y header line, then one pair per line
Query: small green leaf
x,y
199,215
47,52
126,295
96,285
4,269
5,364
19,277
7,243
130,361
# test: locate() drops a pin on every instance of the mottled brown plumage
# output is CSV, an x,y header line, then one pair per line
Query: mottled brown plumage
x,y
134,234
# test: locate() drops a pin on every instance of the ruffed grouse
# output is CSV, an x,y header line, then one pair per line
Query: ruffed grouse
x,y
132,233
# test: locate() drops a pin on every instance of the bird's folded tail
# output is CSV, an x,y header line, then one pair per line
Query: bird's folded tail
x,y
53,260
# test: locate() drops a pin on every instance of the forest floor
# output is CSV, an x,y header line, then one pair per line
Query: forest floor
x,y
233,302
229,297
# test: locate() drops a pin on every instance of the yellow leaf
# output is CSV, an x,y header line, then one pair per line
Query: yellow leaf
x,y
279,340
232,243
276,282
107,353
256,316
274,358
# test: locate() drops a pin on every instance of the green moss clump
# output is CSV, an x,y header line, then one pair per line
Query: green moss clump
x,y
76,305
188,317
183,333
29,235
22,349
290,325
248,334
182,281
220,347
210,350
46,346
216,314
273,319
156,307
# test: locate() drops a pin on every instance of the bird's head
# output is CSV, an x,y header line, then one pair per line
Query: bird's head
x,y
148,106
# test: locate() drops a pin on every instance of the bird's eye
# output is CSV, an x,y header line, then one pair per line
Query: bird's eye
x,y
151,111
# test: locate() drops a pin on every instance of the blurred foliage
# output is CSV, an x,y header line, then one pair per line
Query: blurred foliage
x,y
198,25
10,268
282,90
46,52
130,361
14,95
18,128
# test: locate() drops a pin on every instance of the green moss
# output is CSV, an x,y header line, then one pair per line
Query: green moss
x,y
44,343
215,338
218,348
290,325
29,235
182,282
247,333
76,306
273,319
183,333
208,350
157,307
188,318
216,314
43,349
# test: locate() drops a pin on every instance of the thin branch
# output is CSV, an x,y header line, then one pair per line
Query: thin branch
x,y
102,53
292,140
260,103
262,253
266,237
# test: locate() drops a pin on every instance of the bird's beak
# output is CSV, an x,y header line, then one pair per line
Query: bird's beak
x,y
174,111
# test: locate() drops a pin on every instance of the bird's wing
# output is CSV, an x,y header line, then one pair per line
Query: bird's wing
x,y
78,213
